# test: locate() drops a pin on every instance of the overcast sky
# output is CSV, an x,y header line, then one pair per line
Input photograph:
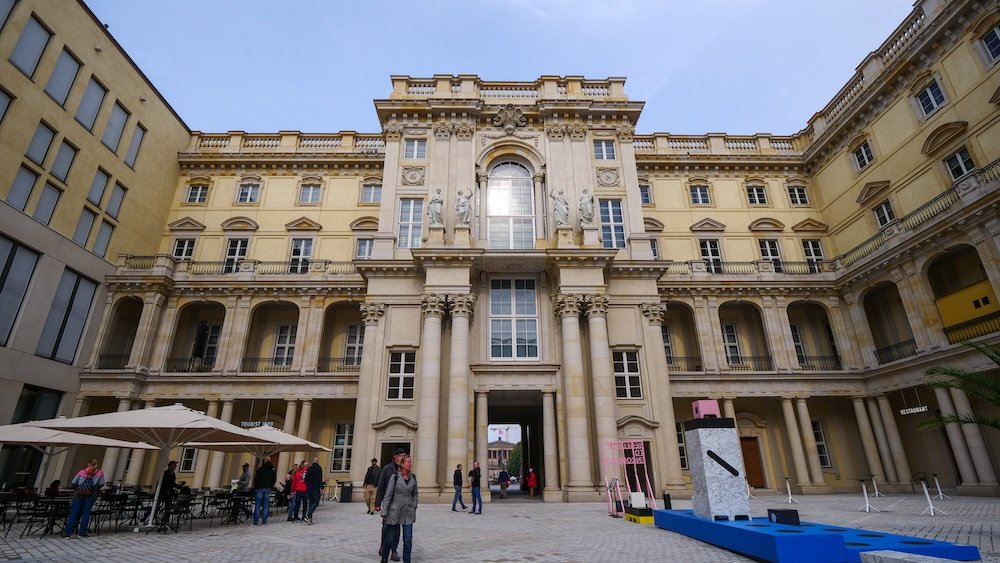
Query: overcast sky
x,y
735,66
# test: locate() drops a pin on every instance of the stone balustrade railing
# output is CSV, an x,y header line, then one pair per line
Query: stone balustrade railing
x,y
716,144
285,142
471,86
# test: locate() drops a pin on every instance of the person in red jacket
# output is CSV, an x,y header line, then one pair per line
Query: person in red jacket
x,y
299,491
532,483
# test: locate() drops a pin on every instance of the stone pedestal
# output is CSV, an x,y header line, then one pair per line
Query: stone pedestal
x,y
435,235
462,237
591,238
564,237
717,472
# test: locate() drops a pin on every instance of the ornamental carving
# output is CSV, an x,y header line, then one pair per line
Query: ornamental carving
x,y
567,305
465,130
433,305
392,131
443,131
654,312
555,132
413,176
597,306
462,305
625,132
372,312
510,117
607,176
577,132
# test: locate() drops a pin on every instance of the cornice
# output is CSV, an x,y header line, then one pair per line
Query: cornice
x,y
639,269
393,421
386,268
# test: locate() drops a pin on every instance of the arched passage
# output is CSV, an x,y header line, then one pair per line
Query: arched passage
x,y
812,336
117,345
196,338
964,297
743,338
272,339
889,325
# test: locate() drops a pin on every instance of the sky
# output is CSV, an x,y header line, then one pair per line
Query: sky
x,y
509,432
734,66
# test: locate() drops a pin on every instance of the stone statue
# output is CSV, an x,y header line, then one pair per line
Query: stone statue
x,y
463,206
434,207
561,208
586,204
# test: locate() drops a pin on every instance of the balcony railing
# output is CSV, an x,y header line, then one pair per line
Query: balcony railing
x,y
332,365
188,365
896,351
973,329
808,267
750,363
112,361
266,365
296,266
684,363
820,363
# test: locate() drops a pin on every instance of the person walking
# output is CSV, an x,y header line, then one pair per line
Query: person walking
x,y
314,488
87,484
370,484
399,508
504,480
389,470
286,489
244,480
300,489
477,496
457,481
532,483
263,482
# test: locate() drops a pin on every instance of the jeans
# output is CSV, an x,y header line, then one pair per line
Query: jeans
x,y
407,540
297,501
458,497
313,497
262,504
477,496
390,539
79,511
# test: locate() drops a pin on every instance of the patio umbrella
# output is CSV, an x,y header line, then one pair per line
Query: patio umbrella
x,y
276,441
165,427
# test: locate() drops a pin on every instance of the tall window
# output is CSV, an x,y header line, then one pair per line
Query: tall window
x,y
884,213
5,7
364,251
40,143
115,201
183,248
20,191
284,345
189,457
103,239
64,160
67,318
604,150
5,100
212,345
371,193
197,193
813,251
699,195
797,195
116,125
511,207
731,344
47,203
97,187
411,214
800,349
236,251
992,42
863,155
645,194
627,384
930,98
415,148
310,194
30,46
343,443
820,436
711,254
93,97
62,78
654,247
134,145
668,346
513,319
402,367
756,195
960,163
354,345
83,227
248,193
681,446
301,253
612,223
769,251
17,264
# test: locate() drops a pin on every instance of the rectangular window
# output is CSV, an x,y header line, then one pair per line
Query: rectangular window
x,y
510,212
40,144
30,46
992,42
90,105
189,458
627,385
301,254
196,194
236,251
513,319
284,345
183,248
82,233
364,250
960,163
813,251
711,254
115,202
800,350
884,214
654,247
731,344
863,155
343,443
5,100
411,214
645,195
797,195
681,446
769,251
930,98
310,194
699,195
821,448
67,318
248,193
756,195
19,193
415,148
212,345
604,150
135,145
64,160
103,239
17,264
402,367
371,193
62,78
97,186
5,7
47,203
354,345
612,223
668,346
116,125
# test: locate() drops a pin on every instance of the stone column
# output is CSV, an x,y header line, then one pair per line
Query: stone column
x,y
219,458
152,305
895,442
867,438
285,458
663,405
974,438
458,383
963,459
882,441
728,409
367,394
863,331
924,320
549,449
204,456
305,417
850,358
541,219
809,439
795,442
428,406
110,462
602,376
709,330
778,327
567,307
164,338
309,335
482,429
134,474
235,330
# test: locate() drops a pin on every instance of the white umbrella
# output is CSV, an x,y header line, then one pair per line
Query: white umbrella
x,y
276,441
164,427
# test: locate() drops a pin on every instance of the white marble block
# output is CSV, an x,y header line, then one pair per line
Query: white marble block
x,y
717,472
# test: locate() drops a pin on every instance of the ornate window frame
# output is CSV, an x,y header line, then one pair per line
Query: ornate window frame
x,y
190,183
699,181
248,180
757,182
370,181
310,181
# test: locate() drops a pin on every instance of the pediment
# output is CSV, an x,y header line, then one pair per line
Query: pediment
x,y
303,224
872,189
766,224
640,420
651,224
920,81
810,225
240,224
186,224
708,224
943,135
365,224
395,421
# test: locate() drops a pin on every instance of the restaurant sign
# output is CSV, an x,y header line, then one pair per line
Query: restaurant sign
x,y
913,410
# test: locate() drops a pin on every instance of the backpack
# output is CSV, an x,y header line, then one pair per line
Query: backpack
x,y
85,488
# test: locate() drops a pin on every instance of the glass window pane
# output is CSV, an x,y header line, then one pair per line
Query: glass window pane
x,y
19,193
93,97
30,46
82,233
5,7
97,186
16,267
116,124
5,100
39,146
103,238
62,77
64,159
69,341
47,203
115,203
133,147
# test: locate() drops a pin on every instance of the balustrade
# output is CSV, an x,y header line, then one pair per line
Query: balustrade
x,y
896,351
820,363
351,364
266,365
750,363
112,361
188,365
974,328
684,363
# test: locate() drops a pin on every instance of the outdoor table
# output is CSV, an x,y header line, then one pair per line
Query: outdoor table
x,y
51,511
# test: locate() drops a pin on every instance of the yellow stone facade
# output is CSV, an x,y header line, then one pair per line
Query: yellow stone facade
x,y
516,253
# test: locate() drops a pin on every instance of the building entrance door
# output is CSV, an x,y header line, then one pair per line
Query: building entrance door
x,y
387,451
752,462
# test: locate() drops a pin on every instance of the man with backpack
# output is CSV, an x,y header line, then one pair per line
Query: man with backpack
x,y
87,484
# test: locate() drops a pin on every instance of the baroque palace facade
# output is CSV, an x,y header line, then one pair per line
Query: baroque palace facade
x,y
516,253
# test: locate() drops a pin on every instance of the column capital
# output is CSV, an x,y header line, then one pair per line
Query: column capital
x,y
567,305
461,305
549,392
433,305
653,312
372,312
538,177
482,393
597,305
482,178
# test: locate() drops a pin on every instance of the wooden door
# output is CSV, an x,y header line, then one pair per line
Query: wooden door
x,y
752,462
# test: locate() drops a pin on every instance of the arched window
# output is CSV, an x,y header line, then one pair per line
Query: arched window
x,y
511,207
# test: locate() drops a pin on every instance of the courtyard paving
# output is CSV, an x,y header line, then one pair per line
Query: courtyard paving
x,y
507,532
